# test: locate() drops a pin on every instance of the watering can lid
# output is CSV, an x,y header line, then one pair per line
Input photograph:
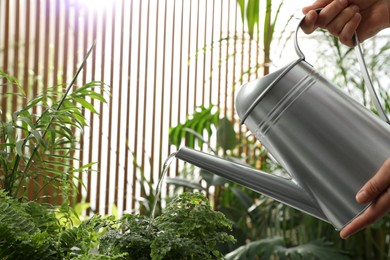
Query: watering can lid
x,y
251,93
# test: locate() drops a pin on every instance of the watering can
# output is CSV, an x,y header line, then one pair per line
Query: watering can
x,y
328,143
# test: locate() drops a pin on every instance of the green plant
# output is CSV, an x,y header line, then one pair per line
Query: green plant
x,y
38,148
187,229
29,230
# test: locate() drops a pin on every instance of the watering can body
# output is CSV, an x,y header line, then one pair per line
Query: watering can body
x,y
329,144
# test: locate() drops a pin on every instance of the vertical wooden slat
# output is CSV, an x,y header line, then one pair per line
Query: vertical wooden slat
x,y
4,67
91,144
212,51
16,54
240,132
163,87
232,104
26,53
86,43
154,97
138,89
46,74
110,113
171,76
120,96
65,63
74,55
32,186
86,46
145,87
181,70
58,15
226,87
101,117
127,136
204,53
6,45
46,68
219,56
196,59
76,25
65,42
249,78
188,56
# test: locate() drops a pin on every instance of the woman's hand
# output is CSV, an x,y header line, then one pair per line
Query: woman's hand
x,y
377,189
343,17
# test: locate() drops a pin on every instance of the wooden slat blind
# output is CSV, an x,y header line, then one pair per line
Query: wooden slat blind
x,y
161,59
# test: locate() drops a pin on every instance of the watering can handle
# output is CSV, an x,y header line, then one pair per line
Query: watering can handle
x,y
363,68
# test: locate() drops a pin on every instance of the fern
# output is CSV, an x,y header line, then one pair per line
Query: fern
x,y
29,230
24,230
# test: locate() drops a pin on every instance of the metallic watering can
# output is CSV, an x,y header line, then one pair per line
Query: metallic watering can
x,y
329,144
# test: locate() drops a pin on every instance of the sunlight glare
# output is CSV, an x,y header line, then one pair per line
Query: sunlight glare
x,y
97,5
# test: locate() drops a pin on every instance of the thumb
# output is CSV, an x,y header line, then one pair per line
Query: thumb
x,y
376,185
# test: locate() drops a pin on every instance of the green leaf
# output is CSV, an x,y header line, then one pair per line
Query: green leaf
x,y
38,137
262,248
226,136
243,197
252,15
194,128
86,104
241,4
19,148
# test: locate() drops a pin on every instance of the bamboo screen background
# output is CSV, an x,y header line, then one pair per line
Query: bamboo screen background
x,y
161,60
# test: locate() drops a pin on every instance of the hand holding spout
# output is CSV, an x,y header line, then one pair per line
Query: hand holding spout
x,y
343,18
377,189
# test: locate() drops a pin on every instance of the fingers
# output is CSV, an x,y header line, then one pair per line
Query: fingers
x,y
308,25
376,185
376,211
337,16
331,12
346,34
377,189
317,4
337,24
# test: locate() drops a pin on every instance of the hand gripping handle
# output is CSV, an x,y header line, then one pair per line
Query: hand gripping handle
x,y
363,68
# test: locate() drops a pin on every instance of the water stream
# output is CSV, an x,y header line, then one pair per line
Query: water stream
x,y
164,170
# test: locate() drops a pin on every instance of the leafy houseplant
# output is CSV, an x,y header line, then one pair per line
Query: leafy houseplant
x,y
188,229
39,147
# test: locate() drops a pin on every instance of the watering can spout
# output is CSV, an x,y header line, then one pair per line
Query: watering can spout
x,y
278,188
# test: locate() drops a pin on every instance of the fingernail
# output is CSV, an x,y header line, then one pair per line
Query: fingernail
x,y
310,16
362,196
343,2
